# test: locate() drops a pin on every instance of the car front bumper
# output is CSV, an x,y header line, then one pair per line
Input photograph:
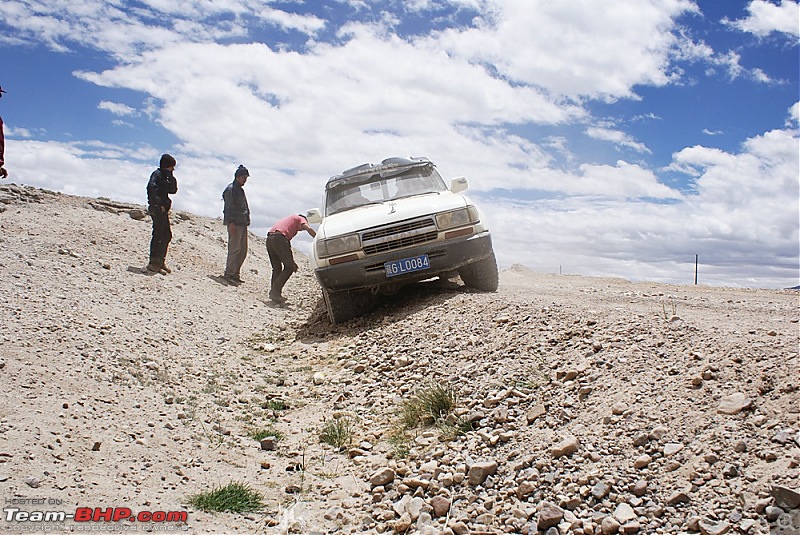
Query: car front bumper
x,y
444,257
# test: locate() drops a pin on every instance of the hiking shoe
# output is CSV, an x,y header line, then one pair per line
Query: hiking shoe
x,y
231,279
165,268
277,299
155,268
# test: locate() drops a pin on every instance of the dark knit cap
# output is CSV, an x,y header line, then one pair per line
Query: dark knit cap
x,y
241,171
167,161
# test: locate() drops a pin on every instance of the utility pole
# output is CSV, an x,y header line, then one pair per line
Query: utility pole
x,y
695,269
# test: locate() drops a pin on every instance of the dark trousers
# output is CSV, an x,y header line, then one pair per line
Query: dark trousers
x,y
237,249
279,249
162,235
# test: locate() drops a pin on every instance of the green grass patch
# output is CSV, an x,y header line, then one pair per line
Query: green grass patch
x,y
429,405
264,432
338,432
233,497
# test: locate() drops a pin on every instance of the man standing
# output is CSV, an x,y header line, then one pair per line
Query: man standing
x,y
3,172
162,183
279,248
236,216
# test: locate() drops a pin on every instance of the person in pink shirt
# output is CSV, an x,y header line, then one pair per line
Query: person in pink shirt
x,y
279,248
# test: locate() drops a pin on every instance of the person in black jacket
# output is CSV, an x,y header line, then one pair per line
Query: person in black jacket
x,y
3,172
162,183
236,216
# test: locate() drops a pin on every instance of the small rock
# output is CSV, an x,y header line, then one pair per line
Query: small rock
x,y
714,529
734,404
534,413
441,506
568,446
319,378
619,409
549,515
609,525
671,449
624,513
642,462
382,477
268,444
33,482
478,472
639,488
679,496
96,446
785,497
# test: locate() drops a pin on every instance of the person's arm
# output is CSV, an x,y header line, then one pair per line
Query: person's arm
x,y
310,230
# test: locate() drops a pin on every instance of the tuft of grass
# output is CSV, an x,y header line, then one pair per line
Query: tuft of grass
x,y
338,432
233,497
458,427
264,432
429,405
275,405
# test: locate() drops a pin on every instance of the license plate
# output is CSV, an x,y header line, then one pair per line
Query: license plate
x,y
406,265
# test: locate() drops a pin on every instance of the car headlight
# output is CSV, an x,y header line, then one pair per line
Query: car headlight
x,y
338,246
457,218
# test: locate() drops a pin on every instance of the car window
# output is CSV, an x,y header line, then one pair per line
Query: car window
x,y
378,188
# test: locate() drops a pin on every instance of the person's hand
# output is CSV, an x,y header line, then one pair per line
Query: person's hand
x,y
3,173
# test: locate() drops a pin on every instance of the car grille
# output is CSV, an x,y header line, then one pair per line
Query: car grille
x,y
404,234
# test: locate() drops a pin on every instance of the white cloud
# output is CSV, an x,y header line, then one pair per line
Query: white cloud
x,y
766,17
121,110
617,137
578,48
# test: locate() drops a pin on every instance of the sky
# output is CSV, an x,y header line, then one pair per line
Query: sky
x,y
617,139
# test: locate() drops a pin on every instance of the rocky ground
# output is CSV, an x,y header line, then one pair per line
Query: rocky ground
x,y
584,405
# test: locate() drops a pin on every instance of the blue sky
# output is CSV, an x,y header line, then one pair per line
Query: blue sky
x,y
607,139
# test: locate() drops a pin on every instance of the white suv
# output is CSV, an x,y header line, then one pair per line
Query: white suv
x,y
394,223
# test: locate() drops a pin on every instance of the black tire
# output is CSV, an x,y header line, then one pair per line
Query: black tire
x,y
481,275
344,306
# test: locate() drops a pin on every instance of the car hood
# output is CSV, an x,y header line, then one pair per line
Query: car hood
x,y
389,212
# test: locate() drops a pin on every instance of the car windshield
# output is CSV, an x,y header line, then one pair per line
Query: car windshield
x,y
378,188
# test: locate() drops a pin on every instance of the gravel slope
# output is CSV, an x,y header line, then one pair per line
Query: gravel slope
x,y
597,405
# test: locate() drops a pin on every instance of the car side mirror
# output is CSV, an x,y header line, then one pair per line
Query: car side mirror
x,y
458,184
314,216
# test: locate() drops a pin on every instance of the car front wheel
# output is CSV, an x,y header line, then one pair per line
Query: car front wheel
x,y
345,305
481,275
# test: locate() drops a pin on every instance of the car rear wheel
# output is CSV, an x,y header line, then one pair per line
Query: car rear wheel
x,y
481,275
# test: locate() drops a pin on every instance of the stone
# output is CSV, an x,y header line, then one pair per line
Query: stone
x,y
679,496
734,404
478,472
382,477
609,525
707,528
440,505
672,448
534,413
624,513
785,498
642,462
600,490
639,488
550,515
568,446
